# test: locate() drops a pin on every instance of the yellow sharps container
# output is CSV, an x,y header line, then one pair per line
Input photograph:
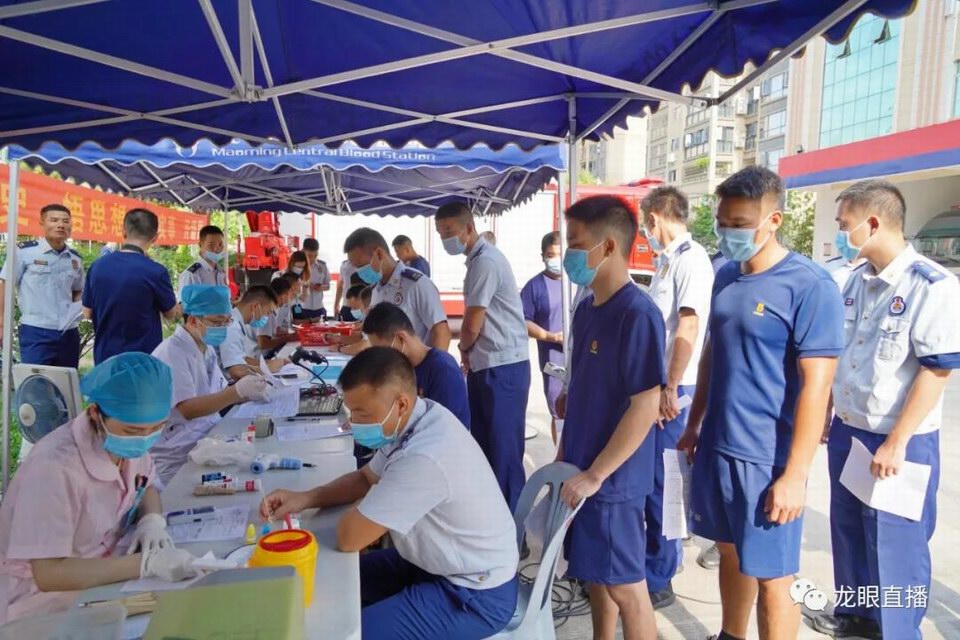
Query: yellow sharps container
x,y
289,548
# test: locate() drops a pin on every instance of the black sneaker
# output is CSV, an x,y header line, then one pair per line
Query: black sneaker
x,y
847,626
663,598
709,558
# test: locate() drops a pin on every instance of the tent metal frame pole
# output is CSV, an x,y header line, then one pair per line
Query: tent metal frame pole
x,y
265,64
146,167
221,39
504,48
41,6
8,302
496,192
836,16
573,169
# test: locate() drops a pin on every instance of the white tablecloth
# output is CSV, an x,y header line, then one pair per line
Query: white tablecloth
x,y
335,611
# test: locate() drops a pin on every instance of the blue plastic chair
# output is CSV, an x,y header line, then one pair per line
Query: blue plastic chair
x,y
533,617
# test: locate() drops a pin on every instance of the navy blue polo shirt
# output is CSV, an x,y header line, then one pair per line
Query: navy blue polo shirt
x,y
439,379
127,292
420,264
760,325
618,352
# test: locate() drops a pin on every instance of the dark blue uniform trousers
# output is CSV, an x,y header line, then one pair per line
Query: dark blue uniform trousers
x,y
498,411
881,561
401,601
49,346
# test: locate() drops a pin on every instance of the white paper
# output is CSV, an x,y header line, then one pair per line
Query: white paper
x,y
902,494
230,523
684,401
677,473
265,371
135,627
209,562
73,315
155,584
283,402
299,430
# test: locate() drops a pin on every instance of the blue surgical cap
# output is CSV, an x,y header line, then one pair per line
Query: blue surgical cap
x,y
205,300
134,387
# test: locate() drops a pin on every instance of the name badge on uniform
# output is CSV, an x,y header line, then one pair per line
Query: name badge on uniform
x,y
897,306
42,263
759,310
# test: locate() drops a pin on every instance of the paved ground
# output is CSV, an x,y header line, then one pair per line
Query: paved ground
x,y
696,613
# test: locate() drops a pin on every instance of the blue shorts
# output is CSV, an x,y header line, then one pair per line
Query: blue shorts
x,y
727,506
607,542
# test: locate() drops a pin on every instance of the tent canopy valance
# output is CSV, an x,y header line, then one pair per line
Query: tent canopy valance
x,y
310,178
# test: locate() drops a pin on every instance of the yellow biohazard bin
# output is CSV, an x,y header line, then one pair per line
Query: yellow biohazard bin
x,y
289,548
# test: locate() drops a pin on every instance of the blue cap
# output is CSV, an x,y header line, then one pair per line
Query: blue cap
x,y
205,300
134,388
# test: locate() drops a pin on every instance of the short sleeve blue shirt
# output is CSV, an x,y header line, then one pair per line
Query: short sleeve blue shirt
x,y
420,264
439,379
618,352
542,306
127,292
760,325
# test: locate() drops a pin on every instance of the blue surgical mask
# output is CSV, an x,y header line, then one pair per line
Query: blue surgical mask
x,y
129,446
454,246
357,314
576,262
739,245
552,265
847,250
368,274
215,336
259,323
371,435
652,241
213,257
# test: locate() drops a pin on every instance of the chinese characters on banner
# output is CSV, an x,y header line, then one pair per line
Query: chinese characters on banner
x,y
96,215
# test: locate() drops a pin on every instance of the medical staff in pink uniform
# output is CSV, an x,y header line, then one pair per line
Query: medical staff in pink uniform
x,y
82,487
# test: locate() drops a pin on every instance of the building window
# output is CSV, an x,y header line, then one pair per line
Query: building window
x,y
697,115
723,169
726,111
725,141
956,90
658,155
771,159
751,136
672,176
774,124
696,143
860,82
774,87
674,144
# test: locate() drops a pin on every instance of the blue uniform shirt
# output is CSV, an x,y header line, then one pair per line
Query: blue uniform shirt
x,y
542,306
127,292
439,379
760,325
618,352
420,264
46,280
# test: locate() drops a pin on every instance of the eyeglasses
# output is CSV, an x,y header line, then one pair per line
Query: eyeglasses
x,y
218,323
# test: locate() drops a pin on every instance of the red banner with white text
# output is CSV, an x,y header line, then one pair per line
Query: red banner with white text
x,y
96,215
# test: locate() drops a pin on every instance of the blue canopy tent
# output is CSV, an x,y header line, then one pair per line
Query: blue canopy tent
x,y
311,178
327,71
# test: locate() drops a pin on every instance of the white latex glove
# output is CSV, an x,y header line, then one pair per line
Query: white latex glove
x,y
252,388
172,565
151,533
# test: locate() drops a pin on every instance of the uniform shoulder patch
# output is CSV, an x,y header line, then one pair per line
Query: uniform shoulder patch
x,y
683,247
928,271
196,266
27,244
411,274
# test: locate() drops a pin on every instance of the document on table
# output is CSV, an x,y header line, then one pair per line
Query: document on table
x,y
298,430
155,584
283,402
230,523
677,473
73,314
902,494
